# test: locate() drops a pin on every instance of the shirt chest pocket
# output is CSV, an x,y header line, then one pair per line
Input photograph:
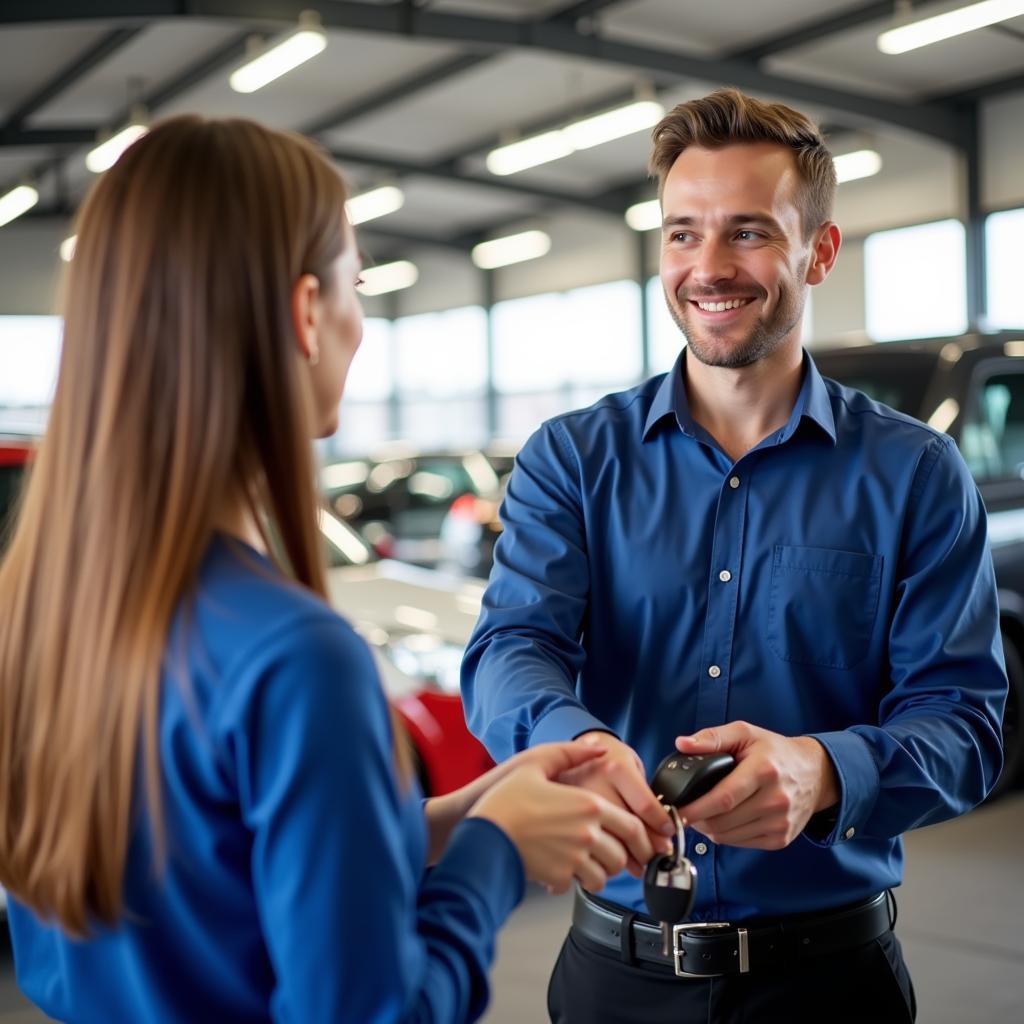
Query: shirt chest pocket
x,y
823,605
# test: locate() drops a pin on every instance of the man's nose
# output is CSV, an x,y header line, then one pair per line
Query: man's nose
x,y
714,263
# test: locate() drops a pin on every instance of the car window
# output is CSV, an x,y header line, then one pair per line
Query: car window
x,y
992,441
10,482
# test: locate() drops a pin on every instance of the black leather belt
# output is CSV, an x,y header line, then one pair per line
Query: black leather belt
x,y
712,948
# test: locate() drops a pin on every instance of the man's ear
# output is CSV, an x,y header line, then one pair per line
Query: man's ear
x,y
305,307
824,251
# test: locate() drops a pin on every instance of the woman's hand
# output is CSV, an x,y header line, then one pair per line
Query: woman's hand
x,y
443,813
561,831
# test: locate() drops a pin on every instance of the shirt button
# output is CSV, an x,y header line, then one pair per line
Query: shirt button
x,y
734,482
701,848
850,832
725,575
714,671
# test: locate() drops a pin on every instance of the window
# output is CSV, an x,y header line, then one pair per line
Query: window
x,y
29,360
993,442
371,375
440,355
1002,264
667,340
915,281
602,340
530,344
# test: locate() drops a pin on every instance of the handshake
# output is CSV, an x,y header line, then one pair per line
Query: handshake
x,y
583,810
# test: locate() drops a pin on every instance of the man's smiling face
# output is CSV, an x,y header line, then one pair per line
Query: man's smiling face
x,y
734,260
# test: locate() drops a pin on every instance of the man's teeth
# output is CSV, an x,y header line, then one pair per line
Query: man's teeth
x,y
721,307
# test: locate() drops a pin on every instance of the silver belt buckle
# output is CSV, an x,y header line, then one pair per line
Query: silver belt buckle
x,y
692,926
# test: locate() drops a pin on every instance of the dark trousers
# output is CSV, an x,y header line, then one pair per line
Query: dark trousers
x,y
868,984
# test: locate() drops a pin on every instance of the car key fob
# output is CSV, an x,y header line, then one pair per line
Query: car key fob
x,y
670,887
682,778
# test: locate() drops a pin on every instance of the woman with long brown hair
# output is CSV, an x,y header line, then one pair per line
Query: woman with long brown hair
x,y
204,813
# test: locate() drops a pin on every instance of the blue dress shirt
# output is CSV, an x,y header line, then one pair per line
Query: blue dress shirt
x,y
834,581
293,887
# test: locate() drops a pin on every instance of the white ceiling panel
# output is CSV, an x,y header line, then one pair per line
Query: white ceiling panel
x,y
694,26
355,64
514,10
155,55
514,90
942,67
31,55
449,209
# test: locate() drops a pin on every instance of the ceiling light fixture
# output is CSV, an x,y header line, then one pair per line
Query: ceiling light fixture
x,y
945,26
582,134
67,248
645,216
19,200
861,163
378,202
302,45
500,252
107,153
388,277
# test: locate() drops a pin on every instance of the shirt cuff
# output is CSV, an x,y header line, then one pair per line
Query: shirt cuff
x,y
480,852
566,723
857,778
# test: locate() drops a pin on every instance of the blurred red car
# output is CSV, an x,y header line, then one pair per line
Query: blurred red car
x,y
416,621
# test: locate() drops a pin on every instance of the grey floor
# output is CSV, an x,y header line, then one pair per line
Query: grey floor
x,y
960,921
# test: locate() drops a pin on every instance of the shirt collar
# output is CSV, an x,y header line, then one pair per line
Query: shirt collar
x,y
813,402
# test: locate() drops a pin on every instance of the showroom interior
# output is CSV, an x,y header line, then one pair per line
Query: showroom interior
x,y
495,153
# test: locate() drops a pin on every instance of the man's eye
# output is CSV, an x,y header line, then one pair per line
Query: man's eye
x,y
747,236
681,236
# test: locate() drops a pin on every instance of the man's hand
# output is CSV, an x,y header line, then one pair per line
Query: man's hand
x,y
768,798
619,777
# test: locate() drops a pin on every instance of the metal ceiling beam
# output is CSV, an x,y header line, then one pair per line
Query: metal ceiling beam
x,y
71,73
940,122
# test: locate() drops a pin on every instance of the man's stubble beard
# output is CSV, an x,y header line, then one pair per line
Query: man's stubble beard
x,y
764,338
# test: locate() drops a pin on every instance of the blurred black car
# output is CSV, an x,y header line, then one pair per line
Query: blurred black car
x,y
398,501
973,389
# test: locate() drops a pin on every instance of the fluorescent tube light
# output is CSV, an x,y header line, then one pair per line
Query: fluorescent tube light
x,y
378,202
16,202
644,216
388,277
614,124
582,134
538,149
500,252
106,154
67,248
279,60
945,26
862,163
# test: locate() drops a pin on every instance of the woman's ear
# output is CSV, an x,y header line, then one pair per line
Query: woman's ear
x,y
305,307
824,253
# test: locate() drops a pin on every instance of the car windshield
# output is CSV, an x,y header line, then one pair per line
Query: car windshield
x,y
10,483
897,379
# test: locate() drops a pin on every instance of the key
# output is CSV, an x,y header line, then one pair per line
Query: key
x,y
670,887
682,778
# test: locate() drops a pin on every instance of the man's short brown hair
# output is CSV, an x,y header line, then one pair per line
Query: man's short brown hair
x,y
728,116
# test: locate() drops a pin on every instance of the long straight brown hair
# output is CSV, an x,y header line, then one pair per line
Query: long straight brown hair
x,y
181,389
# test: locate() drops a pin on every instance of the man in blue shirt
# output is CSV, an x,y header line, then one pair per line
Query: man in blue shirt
x,y
742,556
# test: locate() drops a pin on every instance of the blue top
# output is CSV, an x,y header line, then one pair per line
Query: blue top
x,y
834,581
294,885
